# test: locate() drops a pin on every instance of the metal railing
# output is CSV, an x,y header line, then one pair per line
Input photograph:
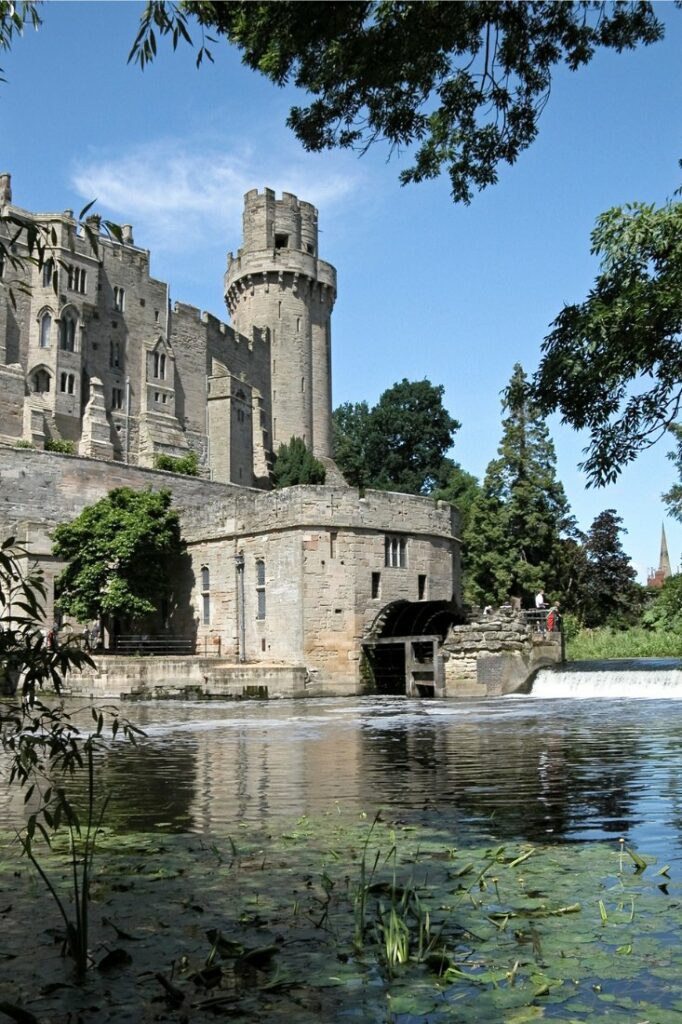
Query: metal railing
x,y
145,644
536,618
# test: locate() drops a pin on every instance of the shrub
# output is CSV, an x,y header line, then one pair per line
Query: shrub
x,y
296,464
187,465
24,444
57,444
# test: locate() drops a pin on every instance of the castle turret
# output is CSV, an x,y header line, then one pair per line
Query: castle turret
x,y
280,294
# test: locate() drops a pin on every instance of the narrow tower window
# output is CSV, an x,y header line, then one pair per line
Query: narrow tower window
x,y
159,365
45,328
205,596
67,334
260,588
395,549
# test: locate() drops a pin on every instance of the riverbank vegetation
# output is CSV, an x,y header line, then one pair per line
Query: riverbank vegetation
x,y
635,642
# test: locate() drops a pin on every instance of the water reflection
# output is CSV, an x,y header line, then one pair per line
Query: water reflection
x,y
514,768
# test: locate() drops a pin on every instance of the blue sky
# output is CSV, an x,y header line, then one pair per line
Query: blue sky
x,y
426,288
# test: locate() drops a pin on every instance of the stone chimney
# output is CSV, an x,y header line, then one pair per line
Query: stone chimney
x,y
127,234
5,189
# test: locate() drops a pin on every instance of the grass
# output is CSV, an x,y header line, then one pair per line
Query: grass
x,y
636,642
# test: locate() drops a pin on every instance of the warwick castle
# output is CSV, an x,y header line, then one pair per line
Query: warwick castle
x,y
307,590
94,354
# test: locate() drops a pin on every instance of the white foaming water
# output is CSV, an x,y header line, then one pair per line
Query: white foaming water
x,y
644,680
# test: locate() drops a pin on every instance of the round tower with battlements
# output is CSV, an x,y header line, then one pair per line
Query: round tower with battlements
x,y
281,294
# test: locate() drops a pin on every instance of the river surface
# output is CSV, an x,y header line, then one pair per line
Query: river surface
x,y
585,765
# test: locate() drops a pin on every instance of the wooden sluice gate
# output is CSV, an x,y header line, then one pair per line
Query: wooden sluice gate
x,y
410,665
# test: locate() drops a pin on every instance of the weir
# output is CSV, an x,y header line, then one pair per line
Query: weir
x,y
635,679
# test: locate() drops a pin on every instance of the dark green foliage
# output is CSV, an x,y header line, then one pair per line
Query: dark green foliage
x,y
398,445
188,465
296,464
520,523
411,430
613,363
673,497
24,657
459,488
351,425
58,445
608,593
119,552
463,82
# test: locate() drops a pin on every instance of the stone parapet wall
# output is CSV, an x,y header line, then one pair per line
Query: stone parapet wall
x,y
48,488
254,511
181,677
496,654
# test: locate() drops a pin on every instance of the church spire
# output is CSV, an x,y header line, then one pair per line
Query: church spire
x,y
658,576
664,563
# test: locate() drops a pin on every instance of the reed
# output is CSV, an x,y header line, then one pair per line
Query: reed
x,y
637,642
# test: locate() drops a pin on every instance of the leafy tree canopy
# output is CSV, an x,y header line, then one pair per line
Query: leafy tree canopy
x,y
351,424
398,445
118,552
520,521
613,363
459,488
296,464
463,82
14,16
666,610
673,497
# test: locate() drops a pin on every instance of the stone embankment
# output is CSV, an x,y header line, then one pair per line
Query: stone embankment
x,y
497,654
185,678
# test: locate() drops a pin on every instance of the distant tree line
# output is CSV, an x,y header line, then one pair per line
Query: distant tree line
x,y
518,533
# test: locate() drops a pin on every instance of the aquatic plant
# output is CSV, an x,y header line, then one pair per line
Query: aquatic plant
x,y
44,746
504,932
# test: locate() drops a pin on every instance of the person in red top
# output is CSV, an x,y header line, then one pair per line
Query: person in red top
x,y
554,619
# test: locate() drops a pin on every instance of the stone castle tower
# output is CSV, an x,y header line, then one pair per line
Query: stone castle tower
x,y
279,292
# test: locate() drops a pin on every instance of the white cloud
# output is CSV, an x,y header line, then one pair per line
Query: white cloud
x,y
174,192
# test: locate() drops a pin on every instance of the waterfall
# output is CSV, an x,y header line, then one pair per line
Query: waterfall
x,y
643,679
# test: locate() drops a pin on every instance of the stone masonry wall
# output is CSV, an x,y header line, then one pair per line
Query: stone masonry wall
x,y
126,336
495,654
322,549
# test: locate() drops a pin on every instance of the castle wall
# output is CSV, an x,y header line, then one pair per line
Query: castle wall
x,y
321,551
100,316
96,314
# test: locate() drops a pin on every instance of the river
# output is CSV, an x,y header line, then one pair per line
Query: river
x,y
577,759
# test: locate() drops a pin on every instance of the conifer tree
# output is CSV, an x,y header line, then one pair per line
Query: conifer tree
x,y
520,522
608,592
296,464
